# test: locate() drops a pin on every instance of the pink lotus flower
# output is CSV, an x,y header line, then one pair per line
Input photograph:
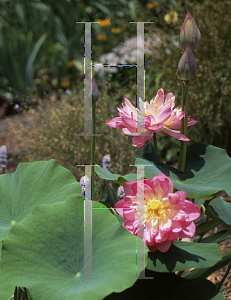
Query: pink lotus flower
x,y
174,121
159,115
167,215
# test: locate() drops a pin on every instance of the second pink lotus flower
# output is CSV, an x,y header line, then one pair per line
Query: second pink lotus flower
x,y
167,216
158,115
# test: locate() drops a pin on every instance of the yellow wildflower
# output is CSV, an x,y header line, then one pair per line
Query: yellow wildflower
x,y
101,37
172,17
65,84
71,63
104,23
150,5
116,30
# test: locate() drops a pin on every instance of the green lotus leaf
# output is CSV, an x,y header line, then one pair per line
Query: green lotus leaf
x,y
207,170
45,253
6,288
40,182
166,286
220,211
206,272
217,237
105,174
184,255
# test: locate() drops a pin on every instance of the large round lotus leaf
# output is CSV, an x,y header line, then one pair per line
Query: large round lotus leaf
x,y
169,286
207,170
184,255
45,253
31,184
6,288
220,211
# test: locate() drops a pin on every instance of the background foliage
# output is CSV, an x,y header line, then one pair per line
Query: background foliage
x,y
42,58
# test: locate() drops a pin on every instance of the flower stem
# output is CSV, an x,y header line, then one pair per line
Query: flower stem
x,y
219,285
93,148
184,126
154,141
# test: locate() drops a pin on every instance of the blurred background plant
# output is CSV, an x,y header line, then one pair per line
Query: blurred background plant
x,y
40,40
41,65
52,132
209,89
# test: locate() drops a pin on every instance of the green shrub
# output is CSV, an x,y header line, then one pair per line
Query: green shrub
x,y
51,133
210,88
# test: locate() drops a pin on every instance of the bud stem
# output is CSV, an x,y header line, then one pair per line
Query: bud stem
x,y
184,126
154,141
93,148
219,285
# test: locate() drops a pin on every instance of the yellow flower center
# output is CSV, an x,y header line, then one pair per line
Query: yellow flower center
x,y
156,105
154,209
154,205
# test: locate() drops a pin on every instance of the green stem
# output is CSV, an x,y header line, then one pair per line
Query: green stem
x,y
154,141
219,285
101,192
184,126
18,293
93,148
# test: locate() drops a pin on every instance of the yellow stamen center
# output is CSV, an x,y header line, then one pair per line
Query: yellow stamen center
x,y
154,205
155,209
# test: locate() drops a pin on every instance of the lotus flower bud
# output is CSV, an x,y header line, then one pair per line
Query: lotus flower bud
x,y
189,35
94,91
186,65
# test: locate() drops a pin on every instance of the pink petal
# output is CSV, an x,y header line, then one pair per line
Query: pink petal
x,y
140,148
129,131
174,198
176,226
130,122
176,134
152,248
192,210
115,122
182,195
129,214
166,225
119,207
139,141
173,236
161,237
129,225
188,230
164,114
164,247
170,99
130,188
129,105
174,122
191,122
155,127
164,182
159,99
